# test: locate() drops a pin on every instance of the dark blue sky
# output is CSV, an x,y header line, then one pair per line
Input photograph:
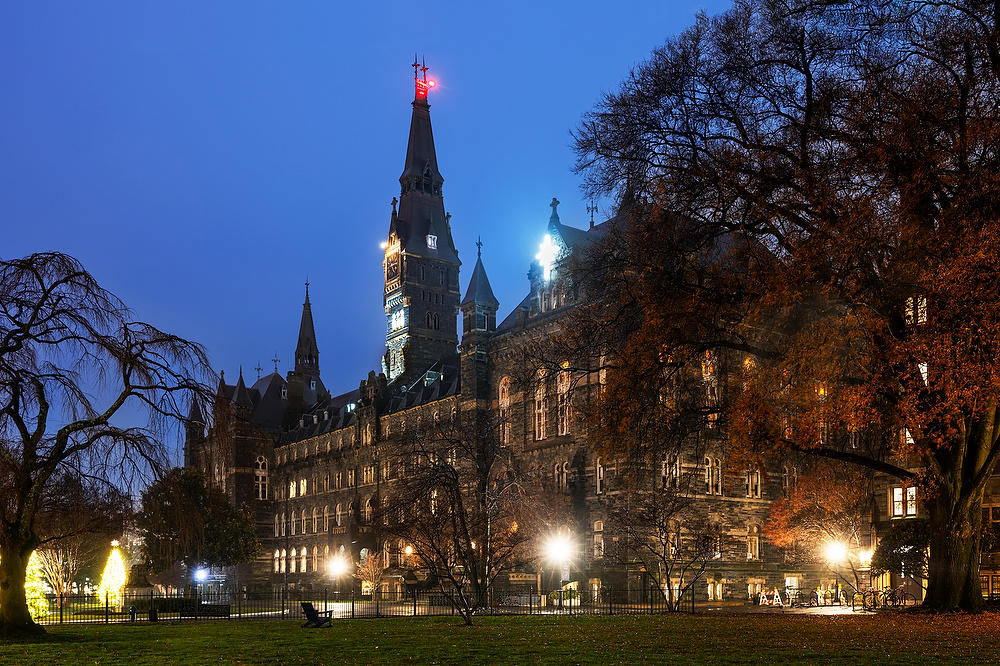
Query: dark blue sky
x,y
201,158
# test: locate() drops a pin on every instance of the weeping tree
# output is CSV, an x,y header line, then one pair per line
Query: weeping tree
x,y
72,358
808,239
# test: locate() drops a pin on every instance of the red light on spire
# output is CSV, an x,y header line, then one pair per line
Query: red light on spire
x,y
420,82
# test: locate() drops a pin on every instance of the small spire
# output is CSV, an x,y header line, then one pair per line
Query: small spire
x,y
555,214
307,291
240,394
394,202
479,247
275,361
592,208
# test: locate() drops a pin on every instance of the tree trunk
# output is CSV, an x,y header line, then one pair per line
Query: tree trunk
x,y
953,566
15,620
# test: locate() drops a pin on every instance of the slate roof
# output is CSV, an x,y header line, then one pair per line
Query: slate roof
x,y
479,290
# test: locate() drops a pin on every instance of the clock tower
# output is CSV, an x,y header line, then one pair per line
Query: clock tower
x,y
421,263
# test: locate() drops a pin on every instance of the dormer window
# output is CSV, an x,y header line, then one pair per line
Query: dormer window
x,y
432,242
312,384
284,393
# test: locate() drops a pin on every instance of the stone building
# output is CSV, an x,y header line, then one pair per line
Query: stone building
x,y
312,464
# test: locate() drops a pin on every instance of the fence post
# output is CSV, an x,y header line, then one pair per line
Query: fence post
x,y
352,601
325,590
107,609
414,602
60,609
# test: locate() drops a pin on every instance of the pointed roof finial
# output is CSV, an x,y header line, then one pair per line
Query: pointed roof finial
x,y
307,290
555,214
394,202
479,246
275,361
258,369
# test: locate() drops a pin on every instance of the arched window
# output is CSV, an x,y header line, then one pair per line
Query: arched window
x,y
368,511
504,404
429,321
284,521
326,519
339,516
276,526
565,410
753,542
305,560
541,406
277,560
598,476
713,476
315,558
291,562
305,523
291,527
315,520
284,558
437,322
260,478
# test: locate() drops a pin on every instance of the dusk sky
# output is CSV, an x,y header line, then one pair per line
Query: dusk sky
x,y
203,158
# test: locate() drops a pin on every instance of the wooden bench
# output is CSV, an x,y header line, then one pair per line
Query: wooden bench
x,y
315,618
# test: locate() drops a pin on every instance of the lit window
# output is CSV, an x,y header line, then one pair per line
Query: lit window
x,y
260,478
897,505
599,476
339,515
315,518
432,242
713,476
565,409
598,539
326,519
291,562
911,501
916,310
752,479
504,404
302,487
541,406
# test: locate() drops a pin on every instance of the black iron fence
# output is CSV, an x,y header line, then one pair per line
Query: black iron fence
x,y
224,605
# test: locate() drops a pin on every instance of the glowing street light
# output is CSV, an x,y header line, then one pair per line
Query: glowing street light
x,y
337,567
835,552
201,574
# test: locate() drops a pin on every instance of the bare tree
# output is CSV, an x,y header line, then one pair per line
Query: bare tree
x,y
76,526
370,571
658,532
461,503
71,358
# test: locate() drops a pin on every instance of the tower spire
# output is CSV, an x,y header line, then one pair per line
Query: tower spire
x,y
306,351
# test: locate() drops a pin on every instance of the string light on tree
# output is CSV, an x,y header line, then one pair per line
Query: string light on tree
x,y
34,590
113,578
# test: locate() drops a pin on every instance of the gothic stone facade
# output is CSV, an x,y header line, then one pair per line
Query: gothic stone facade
x,y
312,465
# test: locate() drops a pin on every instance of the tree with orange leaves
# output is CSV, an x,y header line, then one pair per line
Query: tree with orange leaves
x,y
806,250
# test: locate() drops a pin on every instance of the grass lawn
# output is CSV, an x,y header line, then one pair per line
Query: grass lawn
x,y
885,639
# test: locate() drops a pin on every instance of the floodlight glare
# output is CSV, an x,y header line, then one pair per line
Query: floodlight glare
x,y
559,549
200,574
835,552
337,567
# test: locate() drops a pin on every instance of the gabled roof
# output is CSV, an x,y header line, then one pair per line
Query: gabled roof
x,y
241,396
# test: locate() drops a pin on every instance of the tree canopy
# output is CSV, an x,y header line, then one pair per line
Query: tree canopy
x,y
185,521
805,253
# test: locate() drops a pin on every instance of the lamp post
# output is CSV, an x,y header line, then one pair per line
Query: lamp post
x,y
558,550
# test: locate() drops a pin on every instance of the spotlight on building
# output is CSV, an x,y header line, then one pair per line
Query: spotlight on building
x,y
200,574
865,557
408,550
835,552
